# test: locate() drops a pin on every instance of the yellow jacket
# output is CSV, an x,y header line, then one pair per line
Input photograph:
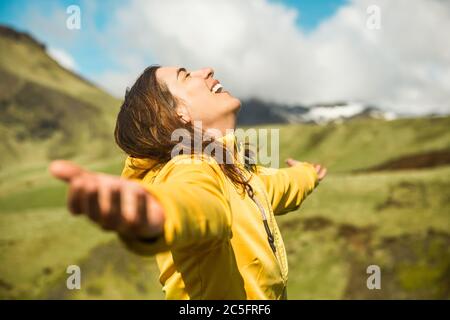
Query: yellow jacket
x,y
214,244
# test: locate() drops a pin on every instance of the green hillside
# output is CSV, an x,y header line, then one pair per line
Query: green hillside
x,y
26,58
359,215
46,111
362,143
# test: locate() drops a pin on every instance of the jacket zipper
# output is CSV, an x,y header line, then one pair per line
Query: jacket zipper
x,y
270,237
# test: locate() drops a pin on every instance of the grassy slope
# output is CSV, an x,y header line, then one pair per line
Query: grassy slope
x,y
397,220
362,143
35,77
29,62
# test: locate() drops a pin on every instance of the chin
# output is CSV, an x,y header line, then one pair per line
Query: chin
x,y
229,104
235,103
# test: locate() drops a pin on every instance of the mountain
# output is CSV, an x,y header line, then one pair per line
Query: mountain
x,y
256,111
47,111
340,111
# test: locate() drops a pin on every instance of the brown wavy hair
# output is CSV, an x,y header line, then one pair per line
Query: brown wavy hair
x,y
147,119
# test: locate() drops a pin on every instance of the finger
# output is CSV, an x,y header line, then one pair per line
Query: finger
x,y
154,214
75,195
134,206
322,173
91,201
104,195
111,219
325,170
291,162
65,170
150,217
129,204
143,205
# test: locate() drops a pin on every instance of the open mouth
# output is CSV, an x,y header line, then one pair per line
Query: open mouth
x,y
217,88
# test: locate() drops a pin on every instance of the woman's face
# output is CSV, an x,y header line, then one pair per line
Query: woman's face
x,y
200,96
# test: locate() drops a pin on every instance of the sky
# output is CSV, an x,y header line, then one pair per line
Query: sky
x,y
394,54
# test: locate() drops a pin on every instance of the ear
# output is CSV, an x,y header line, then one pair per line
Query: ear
x,y
183,113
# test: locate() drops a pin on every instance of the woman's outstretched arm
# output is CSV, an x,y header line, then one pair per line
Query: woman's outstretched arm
x,y
112,202
288,187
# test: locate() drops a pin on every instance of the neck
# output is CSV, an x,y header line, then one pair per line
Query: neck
x,y
222,126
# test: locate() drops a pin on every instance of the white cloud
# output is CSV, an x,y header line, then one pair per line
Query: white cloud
x,y
257,49
117,82
63,58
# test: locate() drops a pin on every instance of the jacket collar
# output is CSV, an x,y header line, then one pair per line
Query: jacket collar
x,y
137,168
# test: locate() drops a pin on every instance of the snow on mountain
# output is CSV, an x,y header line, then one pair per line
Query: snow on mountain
x,y
340,112
258,112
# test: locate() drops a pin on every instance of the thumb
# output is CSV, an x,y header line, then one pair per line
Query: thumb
x,y
65,170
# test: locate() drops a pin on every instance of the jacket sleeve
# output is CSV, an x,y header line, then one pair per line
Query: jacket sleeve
x,y
196,209
288,187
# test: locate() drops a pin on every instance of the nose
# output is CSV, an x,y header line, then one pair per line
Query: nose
x,y
204,73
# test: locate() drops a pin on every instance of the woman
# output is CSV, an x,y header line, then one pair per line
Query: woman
x,y
210,223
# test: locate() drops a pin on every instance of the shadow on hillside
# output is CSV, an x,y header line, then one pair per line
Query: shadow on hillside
x,y
415,161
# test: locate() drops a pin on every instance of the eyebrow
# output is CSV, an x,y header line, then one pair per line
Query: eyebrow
x,y
179,71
